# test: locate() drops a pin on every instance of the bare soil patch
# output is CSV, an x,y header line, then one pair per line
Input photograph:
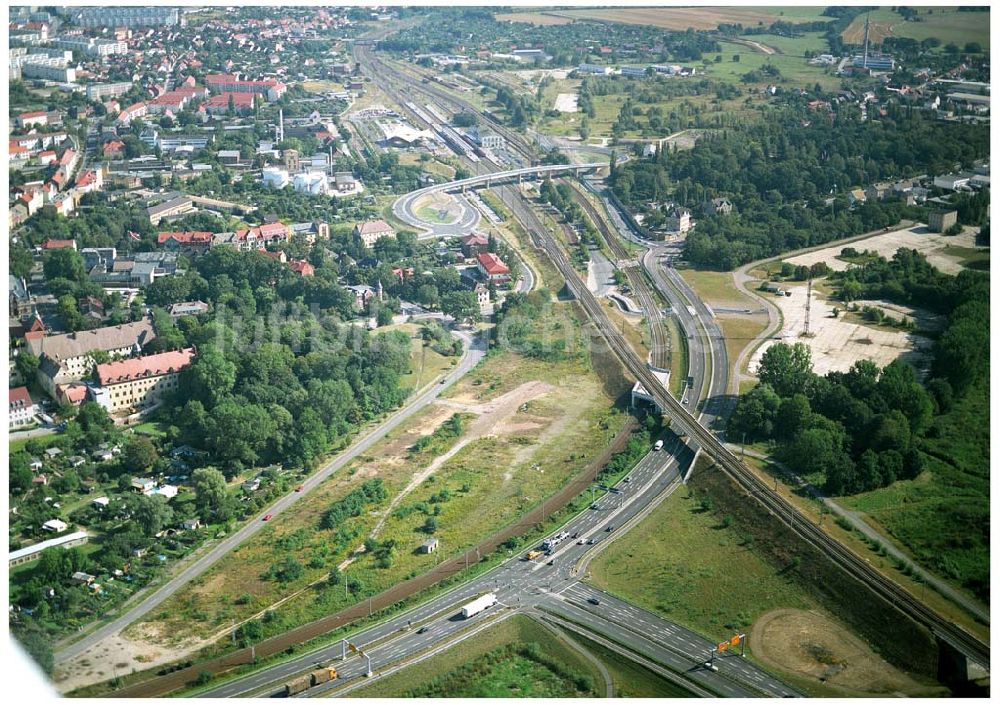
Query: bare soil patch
x,y
811,645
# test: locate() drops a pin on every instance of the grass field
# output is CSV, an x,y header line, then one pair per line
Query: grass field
x,y
945,23
507,677
942,516
709,541
970,257
716,288
740,331
792,46
795,70
321,86
682,549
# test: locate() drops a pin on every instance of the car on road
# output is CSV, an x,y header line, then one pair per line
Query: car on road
x,y
576,535
594,505
421,630
300,488
611,527
590,542
267,517
593,601
627,479
658,445
581,542
550,563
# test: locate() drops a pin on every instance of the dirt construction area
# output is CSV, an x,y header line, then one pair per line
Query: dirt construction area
x,y
837,343
812,646
932,245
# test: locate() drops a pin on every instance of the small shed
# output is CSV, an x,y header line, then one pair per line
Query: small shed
x,y
55,526
429,546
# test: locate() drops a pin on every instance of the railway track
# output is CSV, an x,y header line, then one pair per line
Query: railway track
x,y
659,354
682,421
974,648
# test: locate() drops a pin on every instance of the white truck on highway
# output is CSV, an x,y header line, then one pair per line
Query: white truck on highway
x,y
550,543
478,605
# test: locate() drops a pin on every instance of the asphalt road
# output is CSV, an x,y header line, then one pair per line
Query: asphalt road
x,y
475,349
528,585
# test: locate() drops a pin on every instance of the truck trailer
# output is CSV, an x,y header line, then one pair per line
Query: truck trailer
x,y
478,605
303,683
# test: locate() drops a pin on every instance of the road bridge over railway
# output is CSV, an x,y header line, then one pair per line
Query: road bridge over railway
x,y
405,206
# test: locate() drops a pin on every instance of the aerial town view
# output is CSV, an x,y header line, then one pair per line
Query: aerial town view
x,y
513,352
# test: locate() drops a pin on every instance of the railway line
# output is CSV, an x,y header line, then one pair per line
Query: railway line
x,y
683,422
974,648
659,354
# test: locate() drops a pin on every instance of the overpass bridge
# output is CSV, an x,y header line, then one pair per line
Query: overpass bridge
x,y
405,206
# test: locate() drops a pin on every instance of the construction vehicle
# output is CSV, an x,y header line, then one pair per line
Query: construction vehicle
x,y
533,554
303,683
478,605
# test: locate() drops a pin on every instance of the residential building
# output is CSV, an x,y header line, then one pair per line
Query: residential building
x,y
473,244
22,408
133,112
679,220
66,358
188,308
172,142
482,294
90,45
191,242
302,268
99,91
856,196
372,231
241,103
31,553
940,220
717,206
492,268
36,118
141,382
226,83
56,526
128,16
344,181
878,191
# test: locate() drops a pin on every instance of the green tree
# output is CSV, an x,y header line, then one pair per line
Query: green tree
x,y
460,305
211,497
27,365
211,378
152,513
793,416
140,455
66,263
95,423
786,368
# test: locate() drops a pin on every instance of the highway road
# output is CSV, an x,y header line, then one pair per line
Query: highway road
x,y
475,349
522,585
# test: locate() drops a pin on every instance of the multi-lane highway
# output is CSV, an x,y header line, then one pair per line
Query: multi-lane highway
x,y
547,585
475,349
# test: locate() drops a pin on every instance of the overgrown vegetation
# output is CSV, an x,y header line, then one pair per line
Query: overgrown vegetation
x,y
779,173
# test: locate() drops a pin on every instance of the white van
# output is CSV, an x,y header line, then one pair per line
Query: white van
x,y
658,445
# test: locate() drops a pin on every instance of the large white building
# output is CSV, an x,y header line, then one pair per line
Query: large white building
x,y
125,16
91,46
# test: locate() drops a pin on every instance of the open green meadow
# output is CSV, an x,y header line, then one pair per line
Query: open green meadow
x,y
944,23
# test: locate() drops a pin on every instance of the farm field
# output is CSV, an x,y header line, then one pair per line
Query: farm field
x,y
792,46
492,664
945,23
682,18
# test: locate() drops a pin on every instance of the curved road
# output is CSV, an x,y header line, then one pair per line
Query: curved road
x,y
475,349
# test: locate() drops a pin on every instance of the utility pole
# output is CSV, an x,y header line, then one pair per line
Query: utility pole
x,y
805,328
369,605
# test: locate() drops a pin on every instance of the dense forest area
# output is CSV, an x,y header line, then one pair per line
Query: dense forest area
x,y
868,427
779,173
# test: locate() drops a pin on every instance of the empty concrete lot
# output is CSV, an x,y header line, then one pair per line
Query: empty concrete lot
x,y
837,343
918,237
